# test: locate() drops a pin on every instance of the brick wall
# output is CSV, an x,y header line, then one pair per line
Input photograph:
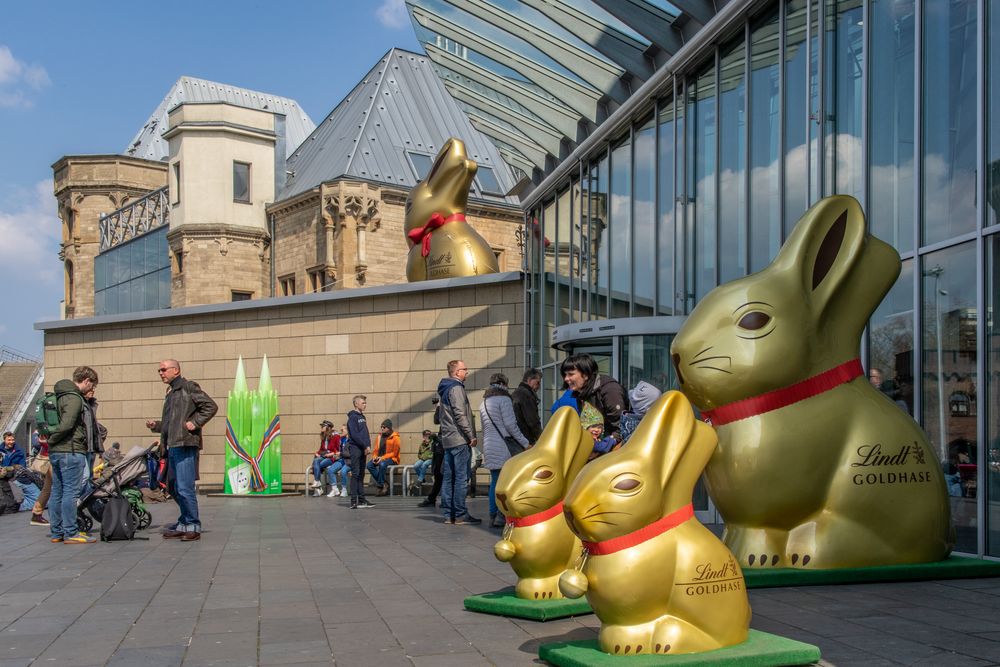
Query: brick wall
x,y
391,344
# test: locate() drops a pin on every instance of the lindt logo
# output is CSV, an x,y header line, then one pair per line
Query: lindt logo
x,y
872,456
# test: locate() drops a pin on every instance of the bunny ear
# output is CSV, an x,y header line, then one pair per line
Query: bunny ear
x,y
563,436
664,433
825,246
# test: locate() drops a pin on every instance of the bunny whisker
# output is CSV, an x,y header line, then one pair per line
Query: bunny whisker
x,y
713,368
606,523
588,516
523,497
695,357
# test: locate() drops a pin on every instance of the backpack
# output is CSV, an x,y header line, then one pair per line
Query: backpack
x,y
47,413
118,521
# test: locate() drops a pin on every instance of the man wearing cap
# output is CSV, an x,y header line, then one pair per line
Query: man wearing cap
x,y
385,454
328,452
425,459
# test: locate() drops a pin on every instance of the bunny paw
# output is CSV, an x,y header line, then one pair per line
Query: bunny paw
x,y
538,589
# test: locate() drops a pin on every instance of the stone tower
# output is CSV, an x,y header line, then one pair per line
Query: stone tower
x,y
223,160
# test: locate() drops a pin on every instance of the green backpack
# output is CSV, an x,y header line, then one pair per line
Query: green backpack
x,y
47,413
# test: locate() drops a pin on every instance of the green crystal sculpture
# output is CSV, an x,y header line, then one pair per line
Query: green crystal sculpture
x,y
253,436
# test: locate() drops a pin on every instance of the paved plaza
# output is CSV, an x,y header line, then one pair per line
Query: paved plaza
x,y
306,581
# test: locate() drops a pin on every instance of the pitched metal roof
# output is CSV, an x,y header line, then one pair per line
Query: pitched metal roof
x,y
571,62
150,145
398,112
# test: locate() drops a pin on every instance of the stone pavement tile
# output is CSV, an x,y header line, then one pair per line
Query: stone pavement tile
x,y
290,629
90,647
360,637
952,659
25,645
236,647
155,632
469,659
152,656
228,620
296,652
285,595
424,635
39,584
36,626
333,614
16,662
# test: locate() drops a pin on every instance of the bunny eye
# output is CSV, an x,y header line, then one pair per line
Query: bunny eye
x,y
754,320
543,474
626,484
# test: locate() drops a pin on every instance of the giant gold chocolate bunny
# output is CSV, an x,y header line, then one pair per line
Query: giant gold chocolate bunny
x,y
537,542
442,243
659,580
815,468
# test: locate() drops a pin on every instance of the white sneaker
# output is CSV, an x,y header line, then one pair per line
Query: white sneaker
x,y
334,492
314,484
317,492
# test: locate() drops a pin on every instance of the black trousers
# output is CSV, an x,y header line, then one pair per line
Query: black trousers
x,y
436,462
357,456
8,505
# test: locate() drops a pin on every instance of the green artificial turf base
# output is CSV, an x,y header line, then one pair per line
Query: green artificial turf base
x,y
759,650
953,567
505,603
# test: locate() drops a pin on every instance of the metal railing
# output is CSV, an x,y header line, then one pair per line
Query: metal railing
x,y
11,416
135,219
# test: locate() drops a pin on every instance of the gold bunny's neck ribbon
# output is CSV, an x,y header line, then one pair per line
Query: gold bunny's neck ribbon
x,y
779,398
422,235
615,544
534,519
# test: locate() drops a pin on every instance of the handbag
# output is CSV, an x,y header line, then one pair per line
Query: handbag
x,y
40,464
513,446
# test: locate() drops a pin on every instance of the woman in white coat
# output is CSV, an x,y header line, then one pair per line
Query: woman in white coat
x,y
496,414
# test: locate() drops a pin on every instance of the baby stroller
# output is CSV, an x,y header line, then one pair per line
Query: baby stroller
x,y
119,481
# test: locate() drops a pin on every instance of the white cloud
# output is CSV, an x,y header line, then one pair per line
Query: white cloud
x,y
31,233
18,79
392,14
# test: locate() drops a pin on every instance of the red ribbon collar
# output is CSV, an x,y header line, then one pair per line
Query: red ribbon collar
x,y
645,533
534,519
779,398
422,235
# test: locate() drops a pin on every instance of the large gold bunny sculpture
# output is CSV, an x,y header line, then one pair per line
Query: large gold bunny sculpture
x,y
537,542
659,580
442,243
815,468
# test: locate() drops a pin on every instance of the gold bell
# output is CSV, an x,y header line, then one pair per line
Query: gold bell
x,y
573,583
504,550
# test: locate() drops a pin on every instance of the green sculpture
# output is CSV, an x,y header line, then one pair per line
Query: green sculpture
x,y
253,436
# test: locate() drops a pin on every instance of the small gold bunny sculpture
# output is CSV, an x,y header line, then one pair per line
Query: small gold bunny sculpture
x,y
537,542
659,580
442,243
815,468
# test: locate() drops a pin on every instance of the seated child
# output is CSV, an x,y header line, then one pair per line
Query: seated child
x,y
642,398
425,459
593,421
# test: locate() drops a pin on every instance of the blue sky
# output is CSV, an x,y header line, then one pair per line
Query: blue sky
x,y
81,78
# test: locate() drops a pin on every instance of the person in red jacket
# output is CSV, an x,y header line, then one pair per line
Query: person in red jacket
x,y
385,453
325,456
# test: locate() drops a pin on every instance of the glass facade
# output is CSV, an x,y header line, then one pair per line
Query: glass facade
x,y
894,102
133,276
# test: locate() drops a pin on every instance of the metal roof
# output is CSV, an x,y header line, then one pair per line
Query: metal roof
x,y
573,63
400,107
149,144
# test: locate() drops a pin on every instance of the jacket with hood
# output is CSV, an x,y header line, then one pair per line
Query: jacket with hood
x,y
455,414
357,430
76,432
387,447
526,412
185,402
12,457
608,396
496,414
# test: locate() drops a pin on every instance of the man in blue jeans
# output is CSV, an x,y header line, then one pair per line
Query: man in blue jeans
x,y
69,442
186,410
458,436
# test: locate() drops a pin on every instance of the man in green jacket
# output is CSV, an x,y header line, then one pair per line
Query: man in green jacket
x,y
69,443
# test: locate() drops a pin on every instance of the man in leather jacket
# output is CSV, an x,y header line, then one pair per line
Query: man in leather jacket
x,y
186,410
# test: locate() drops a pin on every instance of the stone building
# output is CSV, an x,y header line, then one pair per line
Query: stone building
x,y
227,194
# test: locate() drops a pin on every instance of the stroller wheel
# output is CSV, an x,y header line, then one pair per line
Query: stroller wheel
x,y
84,523
145,518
